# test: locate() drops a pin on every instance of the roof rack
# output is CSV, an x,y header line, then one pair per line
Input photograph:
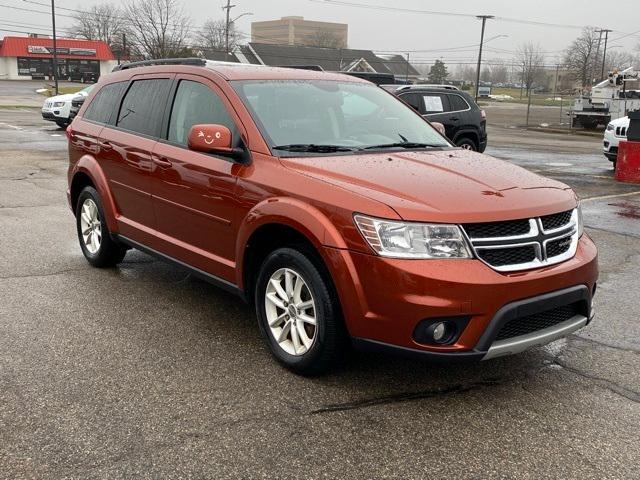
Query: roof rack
x,y
200,62
427,85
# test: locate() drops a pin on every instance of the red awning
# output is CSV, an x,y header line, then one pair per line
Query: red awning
x,y
43,48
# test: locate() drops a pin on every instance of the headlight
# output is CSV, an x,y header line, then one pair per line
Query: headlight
x,y
413,240
58,104
610,127
580,222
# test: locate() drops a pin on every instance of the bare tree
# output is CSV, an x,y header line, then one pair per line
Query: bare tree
x,y
620,60
322,38
466,73
212,36
582,57
530,56
99,22
158,28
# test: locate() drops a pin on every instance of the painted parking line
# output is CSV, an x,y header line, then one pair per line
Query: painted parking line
x,y
606,197
11,126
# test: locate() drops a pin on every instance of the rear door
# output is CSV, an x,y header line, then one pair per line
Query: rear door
x,y
126,148
436,109
193,192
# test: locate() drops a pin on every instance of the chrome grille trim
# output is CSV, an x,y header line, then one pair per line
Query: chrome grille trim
x,y
538,237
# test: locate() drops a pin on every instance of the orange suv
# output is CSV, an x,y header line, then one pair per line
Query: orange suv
x,y
333,207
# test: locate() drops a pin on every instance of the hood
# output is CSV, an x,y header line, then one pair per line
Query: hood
x,y
62,98
620,122
454,186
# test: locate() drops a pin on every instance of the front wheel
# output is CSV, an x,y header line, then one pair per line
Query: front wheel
x,y
467,144
297,312
96,242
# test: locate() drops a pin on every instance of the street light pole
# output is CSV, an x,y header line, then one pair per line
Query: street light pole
x,y
484,22
55,46
227,24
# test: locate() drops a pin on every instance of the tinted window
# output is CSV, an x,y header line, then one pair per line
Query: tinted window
x,y
414,100
196,103
458,103
104,105
143,105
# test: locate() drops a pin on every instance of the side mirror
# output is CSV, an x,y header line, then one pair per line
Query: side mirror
x,y
210,138
439,127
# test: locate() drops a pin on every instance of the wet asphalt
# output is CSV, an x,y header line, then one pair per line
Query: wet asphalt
x,y
142,371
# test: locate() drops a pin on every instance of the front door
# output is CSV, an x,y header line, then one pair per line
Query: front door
x,y
193,192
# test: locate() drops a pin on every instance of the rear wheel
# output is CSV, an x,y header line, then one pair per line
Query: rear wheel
x,y
297,313
467,143
96,242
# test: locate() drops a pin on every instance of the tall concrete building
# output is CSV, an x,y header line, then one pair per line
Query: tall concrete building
x,y
298,31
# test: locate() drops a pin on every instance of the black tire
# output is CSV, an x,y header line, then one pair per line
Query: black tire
x,y
109,253
467,143
329,344
62,124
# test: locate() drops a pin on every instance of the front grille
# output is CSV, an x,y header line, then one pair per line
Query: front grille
x,y
621,131
500,257
532,323
497,229
558,247
551,222
508,246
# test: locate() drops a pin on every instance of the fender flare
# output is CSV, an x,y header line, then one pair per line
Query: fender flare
x,y
302,217
90,167
466,133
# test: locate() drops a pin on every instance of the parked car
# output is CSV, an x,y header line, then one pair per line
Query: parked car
x,y
58,108
84,77
76,104
464,122
332,207
615,133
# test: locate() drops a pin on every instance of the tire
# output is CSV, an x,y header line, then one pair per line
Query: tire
x,y
62,124
327,337
467,144
98,247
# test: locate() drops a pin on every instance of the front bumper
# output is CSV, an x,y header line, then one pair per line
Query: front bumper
x,y
385,299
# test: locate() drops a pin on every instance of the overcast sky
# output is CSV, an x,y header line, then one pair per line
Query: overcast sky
x,y
385,30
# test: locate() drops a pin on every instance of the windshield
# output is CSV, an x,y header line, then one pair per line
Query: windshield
x,y
87,90
324,116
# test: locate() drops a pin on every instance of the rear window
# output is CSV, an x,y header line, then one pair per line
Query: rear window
x,y
104,105
143,106
458,103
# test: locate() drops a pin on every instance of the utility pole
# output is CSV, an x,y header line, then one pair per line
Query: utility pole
x,y
595,60
227,24
604,55
522,79
555,86
407,73
484,22
55,46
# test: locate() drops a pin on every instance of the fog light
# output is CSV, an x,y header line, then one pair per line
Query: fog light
x,y
439,331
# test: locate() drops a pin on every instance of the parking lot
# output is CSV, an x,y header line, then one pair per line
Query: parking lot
x,y
144,371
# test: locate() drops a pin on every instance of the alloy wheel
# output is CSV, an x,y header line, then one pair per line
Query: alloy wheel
x,y
291,311
90,226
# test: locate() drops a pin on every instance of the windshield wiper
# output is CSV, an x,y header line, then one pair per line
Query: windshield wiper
x,y
310,147
402,145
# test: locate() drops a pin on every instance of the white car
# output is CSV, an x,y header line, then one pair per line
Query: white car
x,y
615,133
57,109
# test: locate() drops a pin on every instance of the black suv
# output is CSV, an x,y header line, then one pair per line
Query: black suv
x,y
465,123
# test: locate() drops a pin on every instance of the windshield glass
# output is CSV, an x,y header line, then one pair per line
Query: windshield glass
x,y
337,116
87,90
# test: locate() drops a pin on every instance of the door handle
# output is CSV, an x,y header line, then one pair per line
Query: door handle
x,y
106,146
454,119
162,162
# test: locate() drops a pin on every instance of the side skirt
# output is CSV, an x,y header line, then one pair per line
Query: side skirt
x,y
201,274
